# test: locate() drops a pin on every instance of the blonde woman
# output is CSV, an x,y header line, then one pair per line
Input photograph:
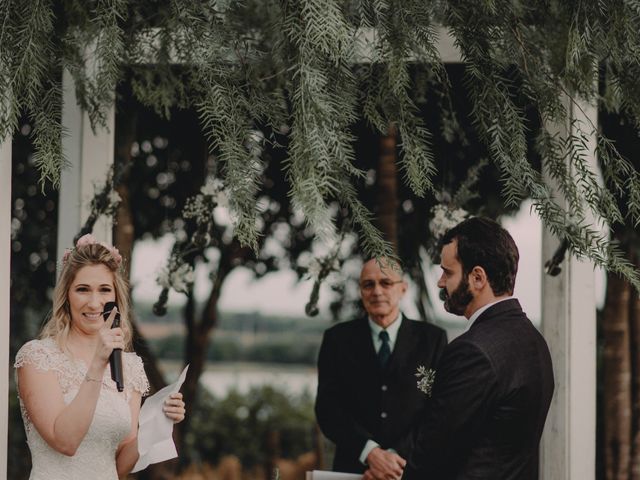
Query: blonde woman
x,y
78,425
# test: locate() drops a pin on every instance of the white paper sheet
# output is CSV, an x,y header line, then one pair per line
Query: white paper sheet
x,y
326,475
155,441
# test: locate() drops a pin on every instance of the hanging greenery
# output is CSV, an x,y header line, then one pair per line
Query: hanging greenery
x,y
311,68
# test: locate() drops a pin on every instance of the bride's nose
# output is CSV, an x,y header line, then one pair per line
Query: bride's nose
x,y
96,302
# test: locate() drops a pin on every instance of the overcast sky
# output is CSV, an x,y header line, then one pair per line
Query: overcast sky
x,y
279,292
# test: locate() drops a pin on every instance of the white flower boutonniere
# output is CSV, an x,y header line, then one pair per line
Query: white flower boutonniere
x,y
426,377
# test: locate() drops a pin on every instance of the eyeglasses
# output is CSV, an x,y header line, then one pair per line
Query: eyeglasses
x,y
385,284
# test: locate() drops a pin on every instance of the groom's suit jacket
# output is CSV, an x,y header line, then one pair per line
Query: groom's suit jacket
x,y
490,401
358,400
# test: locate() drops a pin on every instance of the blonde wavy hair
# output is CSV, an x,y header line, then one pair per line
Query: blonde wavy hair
x,y
58,325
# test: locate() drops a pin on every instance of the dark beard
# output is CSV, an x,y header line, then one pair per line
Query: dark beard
x,y
457,302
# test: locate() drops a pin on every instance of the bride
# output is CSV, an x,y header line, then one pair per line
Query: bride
x,y
78,425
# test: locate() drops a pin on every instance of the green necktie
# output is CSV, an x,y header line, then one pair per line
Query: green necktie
x,y
385,350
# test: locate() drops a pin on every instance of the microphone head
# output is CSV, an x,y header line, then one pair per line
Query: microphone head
x,y
107,309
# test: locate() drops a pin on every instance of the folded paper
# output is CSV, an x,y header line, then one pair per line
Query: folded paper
x,y
155,429
326,475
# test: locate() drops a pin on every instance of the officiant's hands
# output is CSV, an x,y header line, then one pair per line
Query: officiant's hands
x,y
384,465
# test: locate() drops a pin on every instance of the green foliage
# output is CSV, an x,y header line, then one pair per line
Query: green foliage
x,y
245,424
33,243
312,68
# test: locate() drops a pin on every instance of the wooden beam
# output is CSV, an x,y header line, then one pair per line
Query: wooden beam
x,y
368,43
5,282
90,155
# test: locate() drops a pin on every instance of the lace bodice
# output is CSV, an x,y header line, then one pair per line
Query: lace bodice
x,y
95,457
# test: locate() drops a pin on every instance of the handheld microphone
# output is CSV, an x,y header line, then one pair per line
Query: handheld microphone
x,y
115,359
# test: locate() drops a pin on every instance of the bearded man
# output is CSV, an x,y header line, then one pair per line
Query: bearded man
x,y
494,383
367,399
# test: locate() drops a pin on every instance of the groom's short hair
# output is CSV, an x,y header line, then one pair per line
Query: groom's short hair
x,y
485,243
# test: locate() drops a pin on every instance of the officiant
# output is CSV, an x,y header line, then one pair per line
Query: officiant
x,y
368,394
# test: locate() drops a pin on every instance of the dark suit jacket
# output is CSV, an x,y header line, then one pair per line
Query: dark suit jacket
x,y
490,401
359,401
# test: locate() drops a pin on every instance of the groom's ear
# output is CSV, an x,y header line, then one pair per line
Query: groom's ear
x,y
478,278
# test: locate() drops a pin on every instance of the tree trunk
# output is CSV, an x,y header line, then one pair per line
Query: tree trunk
x,y
197,342
125,135
124,231
387,188
617,379
634,320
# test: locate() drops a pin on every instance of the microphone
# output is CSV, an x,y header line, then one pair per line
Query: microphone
x,y
115,359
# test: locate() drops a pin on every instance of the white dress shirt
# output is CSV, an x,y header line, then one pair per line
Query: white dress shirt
x,y
392,330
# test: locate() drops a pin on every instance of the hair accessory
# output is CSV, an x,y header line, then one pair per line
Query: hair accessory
x,y
89,239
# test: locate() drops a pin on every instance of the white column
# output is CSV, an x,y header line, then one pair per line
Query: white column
x,y
90,156
569,326
5,275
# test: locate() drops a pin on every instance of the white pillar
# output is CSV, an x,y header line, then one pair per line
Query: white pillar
x,y
90,156
569,325
5,275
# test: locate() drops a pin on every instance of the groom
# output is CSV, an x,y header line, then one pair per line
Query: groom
x,y
367,398
494,383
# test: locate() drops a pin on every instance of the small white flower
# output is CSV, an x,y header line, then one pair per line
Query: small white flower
x,y
114,198
426,377
163,278
222,199
182,278
316,267
212,186
445,218
179,279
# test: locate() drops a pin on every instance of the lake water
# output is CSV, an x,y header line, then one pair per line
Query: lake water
x,y
220,378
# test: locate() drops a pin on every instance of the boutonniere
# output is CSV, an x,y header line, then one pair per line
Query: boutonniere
x,y
426,377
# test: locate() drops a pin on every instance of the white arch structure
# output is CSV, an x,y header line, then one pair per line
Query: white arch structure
x,y
568,301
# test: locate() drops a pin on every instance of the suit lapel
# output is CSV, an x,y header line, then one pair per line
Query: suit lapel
x,y
363,344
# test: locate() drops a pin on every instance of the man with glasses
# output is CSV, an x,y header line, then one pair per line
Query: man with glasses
x,y
368,396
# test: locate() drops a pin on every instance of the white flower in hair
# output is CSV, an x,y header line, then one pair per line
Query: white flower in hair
x,y
89,239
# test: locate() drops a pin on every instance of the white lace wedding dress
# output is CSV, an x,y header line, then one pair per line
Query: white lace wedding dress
x,y
95,457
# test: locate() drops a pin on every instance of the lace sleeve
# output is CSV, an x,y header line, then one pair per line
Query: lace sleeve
x,y
136,378
42,354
